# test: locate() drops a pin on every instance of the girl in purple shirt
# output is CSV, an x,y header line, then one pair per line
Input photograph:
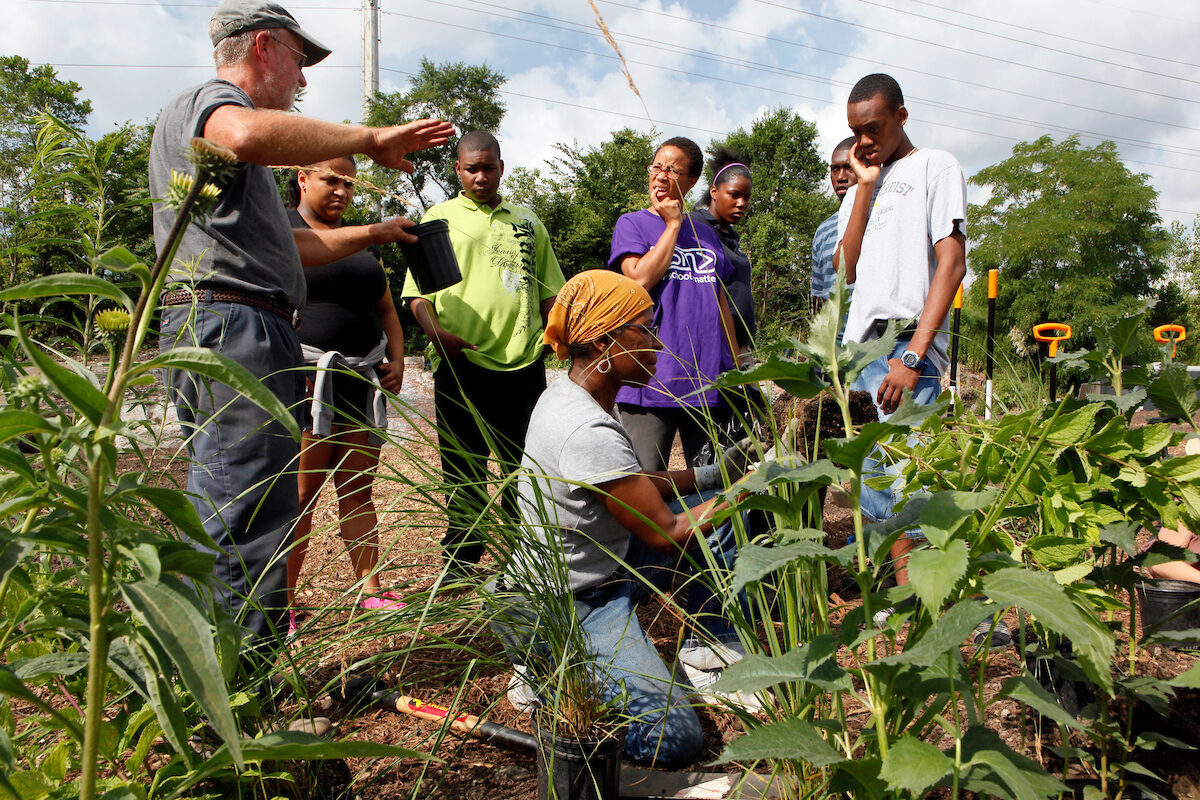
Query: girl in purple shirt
x,y
684,268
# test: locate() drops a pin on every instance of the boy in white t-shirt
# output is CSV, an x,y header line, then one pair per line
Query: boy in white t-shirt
x,y
902,232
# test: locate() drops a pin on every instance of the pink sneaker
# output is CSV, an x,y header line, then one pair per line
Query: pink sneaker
x,y
293,628
384,601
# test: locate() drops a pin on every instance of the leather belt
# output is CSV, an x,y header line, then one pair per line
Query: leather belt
x,y
184,296
879,328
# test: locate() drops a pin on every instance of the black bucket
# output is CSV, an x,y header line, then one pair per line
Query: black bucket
x,y
1168,605
431,258
574,769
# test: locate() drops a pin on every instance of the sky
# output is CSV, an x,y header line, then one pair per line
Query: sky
x,y
978,76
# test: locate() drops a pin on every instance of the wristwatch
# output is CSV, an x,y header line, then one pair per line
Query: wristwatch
x,y
912,361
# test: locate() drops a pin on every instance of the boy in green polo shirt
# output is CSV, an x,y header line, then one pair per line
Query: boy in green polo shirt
x,y
486,333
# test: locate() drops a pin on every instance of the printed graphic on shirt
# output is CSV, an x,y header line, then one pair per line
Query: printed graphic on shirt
x,y
516,258
696,264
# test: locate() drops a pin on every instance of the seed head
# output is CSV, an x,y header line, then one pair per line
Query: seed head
x,y
214,161
113,320
179,186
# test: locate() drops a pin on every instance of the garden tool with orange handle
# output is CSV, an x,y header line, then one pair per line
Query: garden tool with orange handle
x,y
1179,335
993,282
1052,333
954,345
362,690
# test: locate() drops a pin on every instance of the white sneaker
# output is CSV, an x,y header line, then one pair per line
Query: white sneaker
x,y
705,665
522,696
881,617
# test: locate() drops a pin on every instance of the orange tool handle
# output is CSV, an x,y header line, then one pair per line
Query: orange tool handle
x,y
958,297
1052,332
993,281
1160,333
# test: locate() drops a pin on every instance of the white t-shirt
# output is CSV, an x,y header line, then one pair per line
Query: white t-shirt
x,y
571,446
918,199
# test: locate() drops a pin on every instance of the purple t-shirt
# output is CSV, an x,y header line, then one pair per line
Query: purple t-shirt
x,y
686,311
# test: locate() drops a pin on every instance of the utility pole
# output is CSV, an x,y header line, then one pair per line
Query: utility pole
x,y
370,10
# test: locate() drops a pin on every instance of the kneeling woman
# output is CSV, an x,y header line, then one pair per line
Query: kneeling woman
x,y
587,506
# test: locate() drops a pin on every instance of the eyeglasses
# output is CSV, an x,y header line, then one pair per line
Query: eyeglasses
x,y
672,173
650,329
303,58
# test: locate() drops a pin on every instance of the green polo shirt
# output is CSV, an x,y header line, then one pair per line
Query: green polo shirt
x,y
508,269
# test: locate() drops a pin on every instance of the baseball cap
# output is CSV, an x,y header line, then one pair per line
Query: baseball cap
x,y
236,16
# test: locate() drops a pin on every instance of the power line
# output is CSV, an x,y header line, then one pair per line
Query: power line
x,y
880,64
1023,42
588,31
1056,35
1129,10
860,26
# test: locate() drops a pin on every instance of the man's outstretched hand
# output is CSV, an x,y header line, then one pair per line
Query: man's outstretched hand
x,y
393,143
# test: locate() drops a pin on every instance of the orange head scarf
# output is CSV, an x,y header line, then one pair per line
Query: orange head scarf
x,y
590,305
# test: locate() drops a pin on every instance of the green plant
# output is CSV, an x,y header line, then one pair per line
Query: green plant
x,y
109,649
1017,512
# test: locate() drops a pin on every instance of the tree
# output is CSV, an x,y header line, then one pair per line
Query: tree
x,y
466,95
24,93
583,194
790,200
1075,235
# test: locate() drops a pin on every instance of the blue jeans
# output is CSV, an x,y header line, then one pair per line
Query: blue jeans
x,y
663,727
879,503
242,474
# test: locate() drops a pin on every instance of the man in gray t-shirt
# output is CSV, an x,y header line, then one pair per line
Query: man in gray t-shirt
x,y
238,281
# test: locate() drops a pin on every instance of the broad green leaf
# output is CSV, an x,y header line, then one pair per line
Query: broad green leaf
x,y
1150,440
1183,468
81,394
798,378
1025,689
914,766
12,686
145,555
912,414
6,751
12,552
1056,552
808,662
946,636
181,558
118,259
1190,679
124,793
293,746
818,473
69,283
15,422
945,512
1073,574
992,768
755,561
1073,427
178,621
858,778
1040,595
788,739
50,664
177,507
1174,393
934,573
221,368
850,452
158,690
1121,534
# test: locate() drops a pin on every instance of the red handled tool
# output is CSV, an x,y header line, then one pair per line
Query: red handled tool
x,y
1053,333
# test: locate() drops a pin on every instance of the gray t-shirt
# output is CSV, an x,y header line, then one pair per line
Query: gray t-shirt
x,y
917,202
572,441
247,243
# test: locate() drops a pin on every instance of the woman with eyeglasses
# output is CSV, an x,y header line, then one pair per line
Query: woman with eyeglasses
x,y
682,264
597,522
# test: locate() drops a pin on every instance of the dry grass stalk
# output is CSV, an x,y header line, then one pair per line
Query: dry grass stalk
x,y
612,42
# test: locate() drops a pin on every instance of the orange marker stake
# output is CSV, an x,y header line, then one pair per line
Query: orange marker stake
x,y
1053,333
1180,335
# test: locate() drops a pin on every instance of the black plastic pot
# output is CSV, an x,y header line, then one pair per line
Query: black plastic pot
x,y
431,258
1168,605
575,769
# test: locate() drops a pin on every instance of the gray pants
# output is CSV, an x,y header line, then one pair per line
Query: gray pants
x,y
653,432
242,475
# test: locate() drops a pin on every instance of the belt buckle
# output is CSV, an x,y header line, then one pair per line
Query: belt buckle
x,y
295,319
